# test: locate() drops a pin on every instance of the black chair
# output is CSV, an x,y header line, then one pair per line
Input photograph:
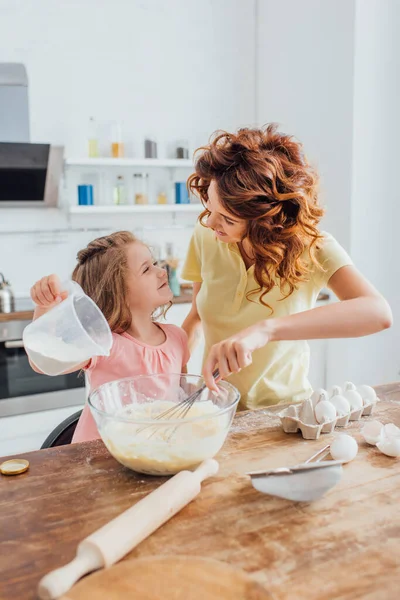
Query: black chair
x,y
62,434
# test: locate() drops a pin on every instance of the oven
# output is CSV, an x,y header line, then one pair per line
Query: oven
x,y
22,390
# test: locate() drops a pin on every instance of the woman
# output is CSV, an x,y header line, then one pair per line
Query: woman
x,y
258,263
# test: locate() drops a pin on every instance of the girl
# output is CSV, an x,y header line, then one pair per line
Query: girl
x,y
258,264
118,273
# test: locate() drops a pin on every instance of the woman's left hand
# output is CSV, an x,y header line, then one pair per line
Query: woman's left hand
x,y
235,353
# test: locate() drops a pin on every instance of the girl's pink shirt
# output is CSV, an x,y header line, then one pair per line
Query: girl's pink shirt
x,y
129,357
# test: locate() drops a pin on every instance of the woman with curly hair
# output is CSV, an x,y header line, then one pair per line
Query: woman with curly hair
x,y
258,261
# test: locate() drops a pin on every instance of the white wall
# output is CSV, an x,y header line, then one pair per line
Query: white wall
x,y
154,65
175,69
375,206
328,72
305,83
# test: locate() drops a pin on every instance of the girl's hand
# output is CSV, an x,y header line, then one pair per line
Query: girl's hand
x,y
46,292
234,353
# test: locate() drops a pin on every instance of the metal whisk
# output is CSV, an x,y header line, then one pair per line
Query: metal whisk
x,y
182,408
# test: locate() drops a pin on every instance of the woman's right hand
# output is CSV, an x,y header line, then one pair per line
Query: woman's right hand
x,y
235,353
47,293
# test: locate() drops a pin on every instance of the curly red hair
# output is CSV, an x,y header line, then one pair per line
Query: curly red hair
x,y
263,177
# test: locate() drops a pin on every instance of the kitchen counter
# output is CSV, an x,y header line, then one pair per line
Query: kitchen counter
x,y
184,298
27,315
21,315
344,546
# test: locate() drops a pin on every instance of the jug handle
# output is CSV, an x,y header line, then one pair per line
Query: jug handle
x,y
73,288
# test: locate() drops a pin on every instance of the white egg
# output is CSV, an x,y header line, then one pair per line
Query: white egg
x,y
391,431
324,396
325,411
372,432
344,448
354,399
349,386
390,446
335,391
316,396
367,393
341,405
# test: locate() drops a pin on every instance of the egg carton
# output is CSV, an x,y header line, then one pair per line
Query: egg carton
x,y
291,423
301,417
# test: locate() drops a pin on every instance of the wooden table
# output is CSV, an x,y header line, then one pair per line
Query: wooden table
x,y
344,546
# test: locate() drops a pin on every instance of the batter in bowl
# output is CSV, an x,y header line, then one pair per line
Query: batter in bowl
x,y
165,447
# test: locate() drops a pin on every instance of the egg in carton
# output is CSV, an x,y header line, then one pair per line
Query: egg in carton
x,y
361,400
321,413
302,417
369,397
348,404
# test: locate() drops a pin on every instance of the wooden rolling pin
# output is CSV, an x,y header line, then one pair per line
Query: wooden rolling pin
x,y
111,542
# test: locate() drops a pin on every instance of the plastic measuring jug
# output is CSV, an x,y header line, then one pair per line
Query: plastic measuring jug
x,y
69,334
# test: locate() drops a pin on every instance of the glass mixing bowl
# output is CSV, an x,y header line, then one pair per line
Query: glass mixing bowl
x,y
129,414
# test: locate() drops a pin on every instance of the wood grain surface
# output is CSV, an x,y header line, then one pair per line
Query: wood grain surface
x,y
344,546
21,315
169,578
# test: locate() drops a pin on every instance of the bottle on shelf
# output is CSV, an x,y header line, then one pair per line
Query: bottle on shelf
x,y
117,146
162,198
119,192
182,149
93,142
140,187
181,193
150,147
85,195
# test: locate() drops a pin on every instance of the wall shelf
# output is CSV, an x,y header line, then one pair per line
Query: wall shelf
x,y
136,208
169,163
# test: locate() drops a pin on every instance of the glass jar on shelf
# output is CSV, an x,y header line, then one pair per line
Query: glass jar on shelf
x,y
162,198
119,191
140,188
117,146
93,141
182,149
150,147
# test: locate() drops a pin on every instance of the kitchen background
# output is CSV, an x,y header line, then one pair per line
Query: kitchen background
x,y
174,71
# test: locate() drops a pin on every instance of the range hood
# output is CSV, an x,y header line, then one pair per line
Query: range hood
x,y
14,103
30,174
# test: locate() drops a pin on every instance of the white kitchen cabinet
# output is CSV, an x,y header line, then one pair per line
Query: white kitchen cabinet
x,y
24,433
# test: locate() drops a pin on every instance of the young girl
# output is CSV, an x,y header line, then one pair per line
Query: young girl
x,y
119,274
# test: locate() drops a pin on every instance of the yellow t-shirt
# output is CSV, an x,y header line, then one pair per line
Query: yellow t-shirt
x,y
279,371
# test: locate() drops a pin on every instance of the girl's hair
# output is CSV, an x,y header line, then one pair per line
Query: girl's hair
x,y
262,176
101,272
